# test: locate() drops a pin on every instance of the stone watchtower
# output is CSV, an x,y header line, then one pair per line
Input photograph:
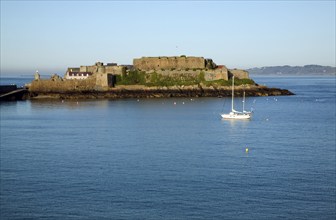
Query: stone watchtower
x,y
37,76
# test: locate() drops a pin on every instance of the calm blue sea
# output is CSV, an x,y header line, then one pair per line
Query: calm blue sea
x,y
153,159
20,81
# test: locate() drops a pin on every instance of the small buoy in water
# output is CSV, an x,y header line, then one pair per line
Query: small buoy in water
x,y
183,103
77,103
174,103
62,101
246,150
138,100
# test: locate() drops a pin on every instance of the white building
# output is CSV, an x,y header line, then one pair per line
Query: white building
x,y
75,73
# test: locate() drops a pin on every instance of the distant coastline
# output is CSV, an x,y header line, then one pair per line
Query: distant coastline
x,y
286,70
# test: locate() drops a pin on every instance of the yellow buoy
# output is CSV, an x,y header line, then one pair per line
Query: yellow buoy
x,y
246,150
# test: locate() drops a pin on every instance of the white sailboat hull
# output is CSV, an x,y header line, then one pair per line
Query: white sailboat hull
x,y
234,115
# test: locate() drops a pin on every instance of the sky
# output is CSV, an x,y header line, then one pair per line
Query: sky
x,y
51,36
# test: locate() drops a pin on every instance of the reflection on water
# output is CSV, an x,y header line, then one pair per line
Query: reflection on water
x,y
241,123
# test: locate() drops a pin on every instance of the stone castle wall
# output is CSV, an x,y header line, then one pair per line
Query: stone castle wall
x,y
116,70
209,74
175,65
241,74
156,63
51,85
216,74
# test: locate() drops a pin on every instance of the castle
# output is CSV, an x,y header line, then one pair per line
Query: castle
x,y
172,66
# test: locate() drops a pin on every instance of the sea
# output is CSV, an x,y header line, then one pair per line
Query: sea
x,y
171,158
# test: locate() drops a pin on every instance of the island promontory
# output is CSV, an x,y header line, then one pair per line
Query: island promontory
x,y
175,76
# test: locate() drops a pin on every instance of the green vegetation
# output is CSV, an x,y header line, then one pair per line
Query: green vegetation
x,y
132,78
155,79
222,82
201,77
136,77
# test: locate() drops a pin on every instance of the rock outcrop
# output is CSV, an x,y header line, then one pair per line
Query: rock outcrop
x,y
157,92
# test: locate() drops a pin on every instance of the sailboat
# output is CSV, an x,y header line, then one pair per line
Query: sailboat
x,y
236,114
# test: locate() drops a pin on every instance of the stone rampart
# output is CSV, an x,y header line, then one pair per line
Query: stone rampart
x,y
116,70
50,85
104,81
170,63
241,74
217,74
209,75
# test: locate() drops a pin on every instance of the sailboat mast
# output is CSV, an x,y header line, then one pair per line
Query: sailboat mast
x,y
232,93
244,102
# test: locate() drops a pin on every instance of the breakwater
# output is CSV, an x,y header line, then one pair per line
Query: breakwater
x,y
12,93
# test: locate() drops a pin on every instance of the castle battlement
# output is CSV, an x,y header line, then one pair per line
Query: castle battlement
x,y
182,62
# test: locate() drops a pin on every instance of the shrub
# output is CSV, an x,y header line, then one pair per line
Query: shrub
x,y
201,77
242,81
133,77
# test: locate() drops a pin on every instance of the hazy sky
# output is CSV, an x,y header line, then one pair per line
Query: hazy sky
x,y
50,36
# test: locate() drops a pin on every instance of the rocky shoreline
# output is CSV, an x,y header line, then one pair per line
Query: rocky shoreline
x,y
121,92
